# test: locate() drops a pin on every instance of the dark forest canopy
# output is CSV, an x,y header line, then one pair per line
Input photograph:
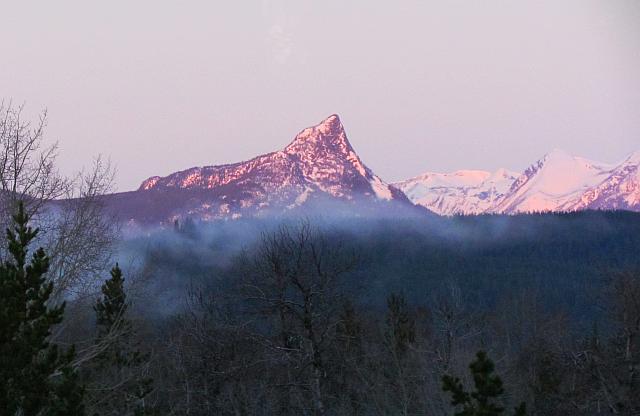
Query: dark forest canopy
x,y
561,258
310,316
366,316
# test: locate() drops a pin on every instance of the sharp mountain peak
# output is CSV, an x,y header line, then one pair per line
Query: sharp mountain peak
x,y
319,164
329,135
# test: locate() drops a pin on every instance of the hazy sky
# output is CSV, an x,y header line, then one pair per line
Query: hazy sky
x,y
423,85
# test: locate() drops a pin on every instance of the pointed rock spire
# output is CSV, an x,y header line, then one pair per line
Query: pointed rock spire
x,y
328,134
330,125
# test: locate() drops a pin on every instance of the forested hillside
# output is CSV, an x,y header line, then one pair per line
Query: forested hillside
x,y
564,259
366,317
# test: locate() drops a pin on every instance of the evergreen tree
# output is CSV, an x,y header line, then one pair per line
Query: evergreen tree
x,y
35,376
68,398
110,309
484,400
117,372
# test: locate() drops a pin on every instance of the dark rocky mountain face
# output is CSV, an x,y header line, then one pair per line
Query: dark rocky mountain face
x,y
318,170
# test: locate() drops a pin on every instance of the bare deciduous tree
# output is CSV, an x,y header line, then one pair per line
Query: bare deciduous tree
x,y
81,234
27,164
294,279
74,228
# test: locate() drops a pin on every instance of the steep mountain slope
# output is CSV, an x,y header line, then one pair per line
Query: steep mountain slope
x,y
460,192
318,167
621,190
557,182
552,183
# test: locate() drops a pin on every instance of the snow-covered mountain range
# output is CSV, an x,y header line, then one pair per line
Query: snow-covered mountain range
x,y
557,182
460,192
317,168
319,172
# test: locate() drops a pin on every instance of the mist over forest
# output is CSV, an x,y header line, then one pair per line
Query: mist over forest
x,y
563,260
394,306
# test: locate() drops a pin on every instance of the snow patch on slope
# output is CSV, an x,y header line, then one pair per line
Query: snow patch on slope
x,y
380,188
459,192
552,182
557,182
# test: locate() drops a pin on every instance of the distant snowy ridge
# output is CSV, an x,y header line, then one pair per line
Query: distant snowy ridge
x,y
460,192
557,182
620,190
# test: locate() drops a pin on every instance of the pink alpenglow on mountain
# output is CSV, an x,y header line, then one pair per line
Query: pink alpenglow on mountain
x,y
552,184
621,189
318,165
460,192
558,182
319,172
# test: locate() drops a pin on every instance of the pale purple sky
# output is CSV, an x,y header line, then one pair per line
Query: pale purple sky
x,y
441,85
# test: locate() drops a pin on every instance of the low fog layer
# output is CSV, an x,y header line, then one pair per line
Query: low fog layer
x,y
488,257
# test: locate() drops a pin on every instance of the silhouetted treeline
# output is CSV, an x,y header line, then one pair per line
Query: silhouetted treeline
x,y
366,317
562,258
369,317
